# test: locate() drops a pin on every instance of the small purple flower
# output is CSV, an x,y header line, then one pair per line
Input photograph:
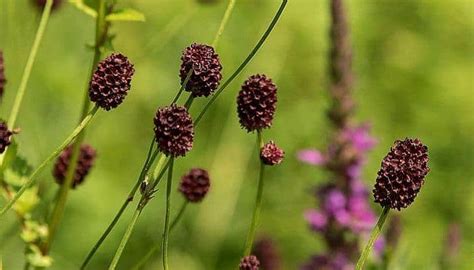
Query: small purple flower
x,y
317,220
335,201
312,157
360,137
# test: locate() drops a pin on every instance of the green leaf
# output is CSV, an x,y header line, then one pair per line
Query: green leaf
x,y
27,202
126,14
16,173
84,7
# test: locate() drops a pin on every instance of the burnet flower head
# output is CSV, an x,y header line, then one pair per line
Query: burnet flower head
x,y
256,103
271,154
111,81
174,130
195,185
5,136
249,263
2,75
206,69
85,162
402,174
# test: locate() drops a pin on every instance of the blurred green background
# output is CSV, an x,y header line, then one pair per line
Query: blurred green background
x,y
413,62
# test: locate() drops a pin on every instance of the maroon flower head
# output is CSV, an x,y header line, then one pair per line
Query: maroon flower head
x,y
41,3
271,154
206,74
174,131
2,75
256,103
111,81
5,136
249,263
266,251
195,185
402,174
84,164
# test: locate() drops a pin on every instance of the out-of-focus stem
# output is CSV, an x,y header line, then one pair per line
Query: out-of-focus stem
x,y
224,21
167,215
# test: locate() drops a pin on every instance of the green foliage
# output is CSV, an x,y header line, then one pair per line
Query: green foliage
x,y
126,14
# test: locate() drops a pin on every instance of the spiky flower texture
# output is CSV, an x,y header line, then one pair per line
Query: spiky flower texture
x,y
206,69
5,136
271,154
256,103
85,162
111,80
249,263
402,174
174,131
195,185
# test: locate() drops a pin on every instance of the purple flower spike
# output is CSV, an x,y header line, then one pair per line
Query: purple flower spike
x,y
312,157
317,220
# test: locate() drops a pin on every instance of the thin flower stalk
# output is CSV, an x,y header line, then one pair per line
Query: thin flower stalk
x,y
32,177
166,231
58,211
27,71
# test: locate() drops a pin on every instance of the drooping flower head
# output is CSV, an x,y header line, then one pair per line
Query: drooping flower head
x,y
402,174
111,80
206,69
5,136
249,263
85,162
271,154
195,185
2,75
256,103
174,131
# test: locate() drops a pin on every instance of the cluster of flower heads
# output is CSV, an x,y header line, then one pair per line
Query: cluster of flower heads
x,y
85,162
344,209
2,75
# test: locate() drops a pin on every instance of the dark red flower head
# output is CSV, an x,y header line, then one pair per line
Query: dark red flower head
x,y
84,164
206,74
256,103
111,81
249,263
195,185
5,136
271,154
2,75
174,131
402,174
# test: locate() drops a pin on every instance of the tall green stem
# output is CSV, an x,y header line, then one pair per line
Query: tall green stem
x,y
146,166
32,177
244,63
167,215
224,21
58,212
258,201
125,239
373,236
29,66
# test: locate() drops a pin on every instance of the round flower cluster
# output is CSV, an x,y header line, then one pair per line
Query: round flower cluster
x,y
249,263
5,136
85,162
195,185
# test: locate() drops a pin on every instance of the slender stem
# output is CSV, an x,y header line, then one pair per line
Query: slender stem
x,y
244,63
224,21
149,160
373,236
125,239
189,102
258,201
58,211
167,215
29,66
188,76
155,248
32,177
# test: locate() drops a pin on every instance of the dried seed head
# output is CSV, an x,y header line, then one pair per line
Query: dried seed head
x,y
41,3
249,263
5,136
256,103
2,75
84,164
271,154
206,74
174,131
195,185
402,174
111,81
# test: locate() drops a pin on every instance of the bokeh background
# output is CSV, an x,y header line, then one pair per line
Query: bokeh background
x,y
414,66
